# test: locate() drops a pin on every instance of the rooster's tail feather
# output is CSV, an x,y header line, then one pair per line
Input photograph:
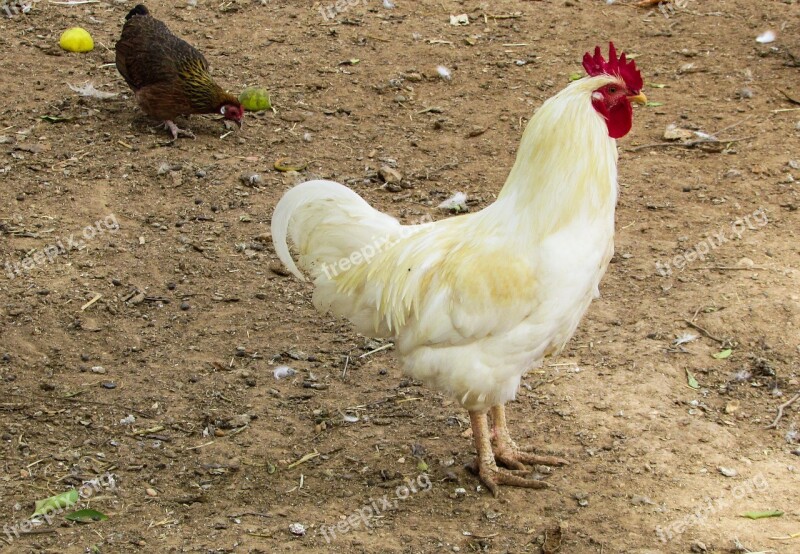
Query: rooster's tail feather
x,y
327,222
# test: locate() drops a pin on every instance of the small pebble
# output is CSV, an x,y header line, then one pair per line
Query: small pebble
x,y
389,175
250,179
151,492
184,306
297,529
728,472
296,354
582,498
490,514
278,269
109,385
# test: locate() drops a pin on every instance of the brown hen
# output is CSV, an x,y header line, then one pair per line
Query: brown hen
x,y
167,74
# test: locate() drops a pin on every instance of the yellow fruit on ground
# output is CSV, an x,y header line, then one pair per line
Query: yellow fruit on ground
x,y
76,39
255,99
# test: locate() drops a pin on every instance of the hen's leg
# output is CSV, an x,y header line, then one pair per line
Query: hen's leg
x,y
487,469
170,125
506,450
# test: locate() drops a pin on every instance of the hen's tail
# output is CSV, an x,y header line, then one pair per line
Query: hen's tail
x,y
327,222
139,9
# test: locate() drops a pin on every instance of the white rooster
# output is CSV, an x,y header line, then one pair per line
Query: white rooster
x,y
473,302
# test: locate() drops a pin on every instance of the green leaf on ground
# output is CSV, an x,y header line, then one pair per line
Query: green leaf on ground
x,y
724,354
86,516
691,381
55,503
762,515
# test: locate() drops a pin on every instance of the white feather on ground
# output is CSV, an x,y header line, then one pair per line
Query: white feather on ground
x,y
89,90
457,203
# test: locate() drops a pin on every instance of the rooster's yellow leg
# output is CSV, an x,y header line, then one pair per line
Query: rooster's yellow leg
x,y
487,469
175,130
506,450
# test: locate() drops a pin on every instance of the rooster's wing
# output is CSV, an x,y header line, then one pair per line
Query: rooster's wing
x,y
149,54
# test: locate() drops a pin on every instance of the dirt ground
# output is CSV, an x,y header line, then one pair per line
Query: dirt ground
x,y
143,356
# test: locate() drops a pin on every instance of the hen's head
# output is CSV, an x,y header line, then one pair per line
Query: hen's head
x,y
232,110
613,101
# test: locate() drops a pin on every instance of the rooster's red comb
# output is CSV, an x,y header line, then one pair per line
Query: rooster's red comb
x,y
597,65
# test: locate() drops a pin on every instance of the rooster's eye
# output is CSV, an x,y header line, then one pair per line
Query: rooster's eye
x,y
612,90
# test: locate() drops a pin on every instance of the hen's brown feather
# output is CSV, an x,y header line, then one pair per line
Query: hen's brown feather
x,y
168,75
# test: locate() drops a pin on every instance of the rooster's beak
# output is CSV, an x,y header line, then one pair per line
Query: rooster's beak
x,y
639,98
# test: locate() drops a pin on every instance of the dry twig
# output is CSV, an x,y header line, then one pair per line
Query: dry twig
x,y
789,98
82,401
782,407
691,143
704,331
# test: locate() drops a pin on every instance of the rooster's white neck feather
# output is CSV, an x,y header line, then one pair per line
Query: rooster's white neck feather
x,y
566,165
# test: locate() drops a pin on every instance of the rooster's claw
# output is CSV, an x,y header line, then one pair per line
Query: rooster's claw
x,y
493,477
176,131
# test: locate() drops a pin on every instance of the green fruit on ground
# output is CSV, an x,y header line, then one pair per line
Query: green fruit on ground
x,y
255,99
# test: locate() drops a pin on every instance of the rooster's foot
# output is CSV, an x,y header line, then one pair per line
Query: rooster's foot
x,y
485,465
506,451
176,131
513,457
493,476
